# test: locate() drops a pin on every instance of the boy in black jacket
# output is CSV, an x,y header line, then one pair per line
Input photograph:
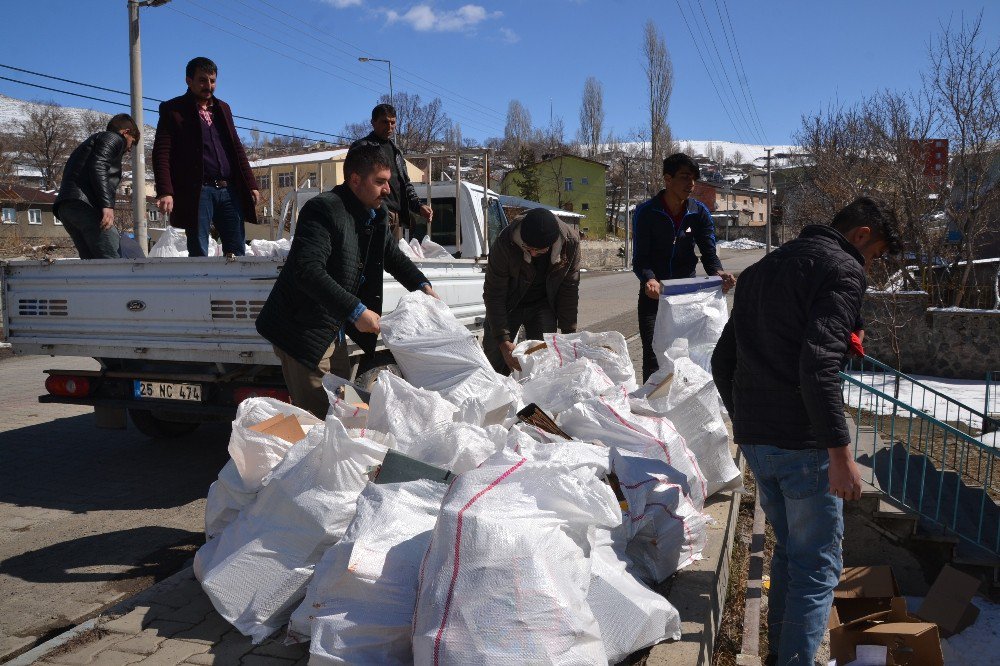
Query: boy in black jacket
x,y
776,367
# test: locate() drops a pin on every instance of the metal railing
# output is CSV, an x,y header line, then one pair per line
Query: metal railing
x,y
921,396
991,404
926,463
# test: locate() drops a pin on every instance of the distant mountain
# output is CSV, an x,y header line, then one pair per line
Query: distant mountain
x,y
13,111
708,148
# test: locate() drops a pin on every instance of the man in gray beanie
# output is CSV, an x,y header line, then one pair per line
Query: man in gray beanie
x,y
532,279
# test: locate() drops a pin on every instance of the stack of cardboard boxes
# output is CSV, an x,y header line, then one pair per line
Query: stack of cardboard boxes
x,y
869,623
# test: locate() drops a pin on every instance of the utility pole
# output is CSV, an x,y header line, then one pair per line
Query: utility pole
x,y
767,223
138,152
628,218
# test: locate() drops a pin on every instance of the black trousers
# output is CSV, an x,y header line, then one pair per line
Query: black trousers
x,y
537,319
647,322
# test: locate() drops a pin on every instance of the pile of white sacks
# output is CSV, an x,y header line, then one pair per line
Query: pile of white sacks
x,y
527,556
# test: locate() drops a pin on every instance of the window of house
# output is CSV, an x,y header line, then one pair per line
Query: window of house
x,y
568,184
585,206
154,215
286,179
745,202
264,181
313,181
34,216
585,181
760,216
10,216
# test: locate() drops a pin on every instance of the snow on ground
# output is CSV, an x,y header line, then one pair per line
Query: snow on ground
x,y
977,644
970,392
740,244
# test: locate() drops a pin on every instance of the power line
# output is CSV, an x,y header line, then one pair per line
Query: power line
x,y
753,102
497,115
153,99
156,111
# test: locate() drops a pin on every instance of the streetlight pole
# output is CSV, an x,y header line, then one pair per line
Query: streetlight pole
x,y
138,151
387,62
628,220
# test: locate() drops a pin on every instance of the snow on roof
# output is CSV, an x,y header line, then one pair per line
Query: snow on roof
x,y
518,202
305,158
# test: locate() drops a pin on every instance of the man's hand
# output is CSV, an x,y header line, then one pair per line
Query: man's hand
x,y
728,281
256,196
368,322
107,218
427,212
507,349
429,290
845,479
652,288
165,204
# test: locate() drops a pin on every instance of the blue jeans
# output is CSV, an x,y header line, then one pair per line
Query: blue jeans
x,y
808,523
220,205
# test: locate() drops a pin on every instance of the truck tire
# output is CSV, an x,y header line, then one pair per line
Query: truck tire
x,y
366,379
157,428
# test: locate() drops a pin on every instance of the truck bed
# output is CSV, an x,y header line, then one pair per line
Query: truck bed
x,y
198,310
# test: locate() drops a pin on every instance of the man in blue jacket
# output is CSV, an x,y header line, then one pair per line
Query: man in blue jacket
x,y
665,230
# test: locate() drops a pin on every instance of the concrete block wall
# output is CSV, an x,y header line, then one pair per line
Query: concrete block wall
x,y
598,255
942,342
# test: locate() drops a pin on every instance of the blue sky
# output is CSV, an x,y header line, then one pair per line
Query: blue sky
x,y
295,61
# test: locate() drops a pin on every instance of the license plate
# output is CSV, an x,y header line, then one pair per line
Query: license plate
x,y
144,390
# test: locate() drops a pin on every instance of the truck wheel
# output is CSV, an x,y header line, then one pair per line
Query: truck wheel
x,y
366,380
157,428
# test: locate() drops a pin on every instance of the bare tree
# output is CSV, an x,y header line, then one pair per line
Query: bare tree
x,y
963,83
592,116
92,122
418,126
660,80
517,131
46,137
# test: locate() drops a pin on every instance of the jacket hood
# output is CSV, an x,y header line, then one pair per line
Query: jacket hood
x,y
557,248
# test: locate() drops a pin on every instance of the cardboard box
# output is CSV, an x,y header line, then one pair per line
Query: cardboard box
x,y
863,591
287,428
908,640
398,468
948,604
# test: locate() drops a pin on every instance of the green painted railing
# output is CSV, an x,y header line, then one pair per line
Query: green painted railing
x,y
926,454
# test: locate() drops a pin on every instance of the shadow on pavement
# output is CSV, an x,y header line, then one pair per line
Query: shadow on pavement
x,y
142,552
70,465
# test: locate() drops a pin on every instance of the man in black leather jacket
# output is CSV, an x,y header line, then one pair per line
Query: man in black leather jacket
x,y
86,201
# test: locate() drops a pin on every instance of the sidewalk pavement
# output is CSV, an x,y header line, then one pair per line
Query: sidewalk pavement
x,y
174,623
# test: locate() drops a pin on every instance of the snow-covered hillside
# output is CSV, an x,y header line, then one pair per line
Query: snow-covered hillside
x,y
708,148
13,110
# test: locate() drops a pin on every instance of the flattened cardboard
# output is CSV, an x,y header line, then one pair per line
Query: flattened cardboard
x,y
287,428
399,468
948,604
863,591
910,642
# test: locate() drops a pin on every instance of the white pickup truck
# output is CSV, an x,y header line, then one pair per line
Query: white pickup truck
x,y
175,337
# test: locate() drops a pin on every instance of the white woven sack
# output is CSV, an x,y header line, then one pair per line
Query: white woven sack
x,y
608,418
506,574
631,615
458,447
263,561
666,532
695,309
405,411
269,248
692,405
435,352
359,605
432,250
608,350
562,387
534,358
173,243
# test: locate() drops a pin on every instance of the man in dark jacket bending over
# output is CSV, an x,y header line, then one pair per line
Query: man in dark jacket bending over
x,y
667,228
331,283
532,278
86,201
776,368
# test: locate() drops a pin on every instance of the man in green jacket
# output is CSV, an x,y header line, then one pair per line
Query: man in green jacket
x,y
331,283
532,279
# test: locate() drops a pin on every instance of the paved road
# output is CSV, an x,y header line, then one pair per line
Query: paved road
x,y
88,517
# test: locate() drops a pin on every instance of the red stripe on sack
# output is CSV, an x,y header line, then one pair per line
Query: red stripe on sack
x,y
631,427
687,451
458,545
684,526
555,347
576,354
641,483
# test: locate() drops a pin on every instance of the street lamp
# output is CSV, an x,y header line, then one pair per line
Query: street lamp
x,y
138,152
390,72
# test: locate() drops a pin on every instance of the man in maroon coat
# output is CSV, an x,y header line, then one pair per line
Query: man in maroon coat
x,y
201,170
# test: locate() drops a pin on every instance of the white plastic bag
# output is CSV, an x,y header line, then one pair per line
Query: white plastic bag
x,y
608,418
562,387
432,250
268,248
173,243
534,358
695,309
666,532
263,561
608,350
352,416
359,605
406,249
506,574
631,615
